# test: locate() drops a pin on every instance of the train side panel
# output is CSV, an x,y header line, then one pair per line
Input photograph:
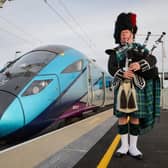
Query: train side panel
x,y
35,104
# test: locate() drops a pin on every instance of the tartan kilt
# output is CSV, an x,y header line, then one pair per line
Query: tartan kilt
x,y
148,100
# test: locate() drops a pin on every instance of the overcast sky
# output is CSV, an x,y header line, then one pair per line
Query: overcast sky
x,y
26,24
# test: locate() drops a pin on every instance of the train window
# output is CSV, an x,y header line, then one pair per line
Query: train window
x,y
75,67
31,62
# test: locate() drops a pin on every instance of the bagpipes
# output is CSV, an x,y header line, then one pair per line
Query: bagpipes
x,y
125,48
126,97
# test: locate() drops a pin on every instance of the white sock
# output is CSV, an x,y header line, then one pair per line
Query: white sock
x,y
124,144
133,146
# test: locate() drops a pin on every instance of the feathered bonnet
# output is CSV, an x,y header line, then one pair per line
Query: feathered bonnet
x,y
125,21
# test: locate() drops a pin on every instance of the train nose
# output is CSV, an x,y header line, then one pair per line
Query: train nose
x,y
11,114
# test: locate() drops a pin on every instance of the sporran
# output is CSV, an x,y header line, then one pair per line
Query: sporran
x,y
126,97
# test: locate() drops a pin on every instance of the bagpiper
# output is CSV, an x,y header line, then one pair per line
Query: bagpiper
x,y
136,85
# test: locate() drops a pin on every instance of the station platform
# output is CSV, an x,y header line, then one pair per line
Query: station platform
x,y
89,143
154,146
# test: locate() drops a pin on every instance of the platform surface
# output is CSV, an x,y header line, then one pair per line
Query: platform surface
x,y
85,143
154,146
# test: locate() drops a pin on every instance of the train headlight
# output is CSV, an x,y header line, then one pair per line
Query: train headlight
x,y
35,90
36,87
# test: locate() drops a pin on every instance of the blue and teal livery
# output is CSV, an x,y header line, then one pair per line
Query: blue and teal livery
x,y
47,85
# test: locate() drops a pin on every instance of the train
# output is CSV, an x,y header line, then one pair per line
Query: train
x,y
47,85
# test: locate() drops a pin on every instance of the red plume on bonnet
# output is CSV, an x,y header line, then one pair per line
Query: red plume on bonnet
x,y
133,19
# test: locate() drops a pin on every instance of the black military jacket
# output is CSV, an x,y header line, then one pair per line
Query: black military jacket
x,y
147,62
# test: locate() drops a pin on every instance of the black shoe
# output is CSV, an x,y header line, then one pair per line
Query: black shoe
x,y
138,157
119,154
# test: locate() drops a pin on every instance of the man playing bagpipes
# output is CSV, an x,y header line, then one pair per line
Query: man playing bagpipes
x,y
136,85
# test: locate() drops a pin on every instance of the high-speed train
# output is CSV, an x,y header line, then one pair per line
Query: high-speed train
x,y
47,85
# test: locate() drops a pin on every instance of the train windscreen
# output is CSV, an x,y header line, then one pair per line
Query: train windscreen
x,y
30,63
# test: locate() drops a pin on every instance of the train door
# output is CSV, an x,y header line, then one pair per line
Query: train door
x,y
96,85
104,89
89,84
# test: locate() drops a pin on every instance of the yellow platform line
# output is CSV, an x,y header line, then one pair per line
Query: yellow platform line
x,y
109,153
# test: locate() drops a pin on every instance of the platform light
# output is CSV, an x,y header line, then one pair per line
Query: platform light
x,y
17,53
2,2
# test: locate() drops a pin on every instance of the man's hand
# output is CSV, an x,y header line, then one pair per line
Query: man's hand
x,y
134,66
128,74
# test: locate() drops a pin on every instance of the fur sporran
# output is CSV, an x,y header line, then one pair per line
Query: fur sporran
x,y
126,97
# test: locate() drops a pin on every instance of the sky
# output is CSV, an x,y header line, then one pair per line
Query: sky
x,y
85,25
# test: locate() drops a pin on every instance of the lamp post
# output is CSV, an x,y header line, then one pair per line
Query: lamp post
x,y
2,2
16,54
163,60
